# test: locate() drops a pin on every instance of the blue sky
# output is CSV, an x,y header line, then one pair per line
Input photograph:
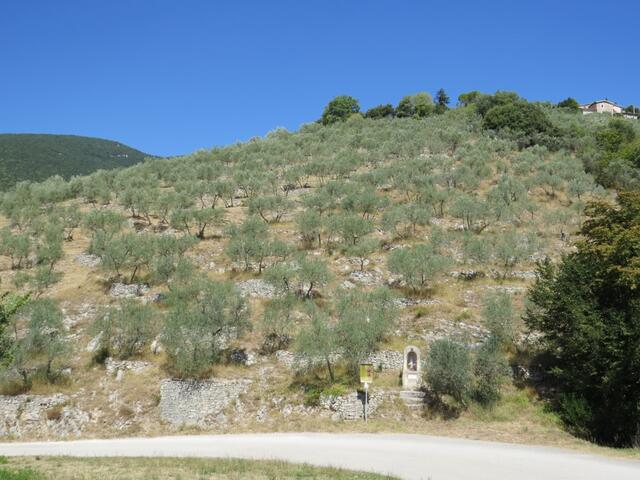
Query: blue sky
x,y
172,76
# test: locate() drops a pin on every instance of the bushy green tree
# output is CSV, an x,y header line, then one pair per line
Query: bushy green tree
x,y
570,104
298,277
169,258
523,118
270,208
491,370
127,252
499,318
419,105
380,111
474,212
511,248
339,109
350,227
588,308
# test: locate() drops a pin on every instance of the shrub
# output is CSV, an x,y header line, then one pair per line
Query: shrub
x,y
498,316
491,369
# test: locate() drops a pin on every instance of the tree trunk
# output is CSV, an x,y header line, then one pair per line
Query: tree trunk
x,y
330,369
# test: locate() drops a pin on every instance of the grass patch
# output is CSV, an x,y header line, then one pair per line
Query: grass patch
x,y
21,474
49,468
316,383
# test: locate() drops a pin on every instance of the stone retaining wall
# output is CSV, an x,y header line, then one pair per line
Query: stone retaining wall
x,y
384,359
197,403
351,406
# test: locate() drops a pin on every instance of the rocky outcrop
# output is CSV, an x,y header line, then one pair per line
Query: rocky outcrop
x,y
118,367
256,288
87,260
123,290
198,402
40,415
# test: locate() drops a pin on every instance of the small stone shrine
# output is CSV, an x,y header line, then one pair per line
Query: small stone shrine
x,y
411,370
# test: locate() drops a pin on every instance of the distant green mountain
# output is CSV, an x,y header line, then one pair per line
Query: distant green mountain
x,y
36,157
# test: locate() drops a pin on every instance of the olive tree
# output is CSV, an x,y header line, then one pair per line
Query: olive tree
x,y
277,322
364,319
16,246
317,341
43,345
270,208
250,243
202,318
418,265
298,277
309,223
449,370
125,331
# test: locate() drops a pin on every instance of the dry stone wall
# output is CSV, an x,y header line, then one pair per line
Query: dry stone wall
x,y
351,406
197,403
384,359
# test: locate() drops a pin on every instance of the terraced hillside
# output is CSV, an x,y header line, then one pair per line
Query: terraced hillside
x,y
271,268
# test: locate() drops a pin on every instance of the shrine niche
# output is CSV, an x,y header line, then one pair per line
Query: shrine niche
x,y
411,369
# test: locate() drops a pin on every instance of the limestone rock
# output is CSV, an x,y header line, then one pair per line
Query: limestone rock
x,y
122,290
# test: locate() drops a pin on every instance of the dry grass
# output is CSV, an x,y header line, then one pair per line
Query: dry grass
x,y
68,468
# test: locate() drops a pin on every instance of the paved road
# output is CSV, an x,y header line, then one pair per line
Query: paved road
x,y
406,456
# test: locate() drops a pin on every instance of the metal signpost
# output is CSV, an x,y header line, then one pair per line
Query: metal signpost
x,y
366,377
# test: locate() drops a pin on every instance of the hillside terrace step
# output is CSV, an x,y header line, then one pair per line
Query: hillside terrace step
x,y
412,398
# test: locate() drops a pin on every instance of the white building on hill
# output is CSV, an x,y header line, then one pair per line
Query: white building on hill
x,y
606,106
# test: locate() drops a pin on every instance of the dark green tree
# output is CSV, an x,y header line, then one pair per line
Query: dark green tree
x,y
520,117
442,101
339,109
570,104
588,308
381,111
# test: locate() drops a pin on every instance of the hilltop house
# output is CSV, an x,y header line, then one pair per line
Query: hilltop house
x,y
606,106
